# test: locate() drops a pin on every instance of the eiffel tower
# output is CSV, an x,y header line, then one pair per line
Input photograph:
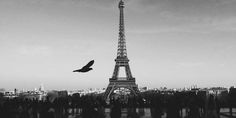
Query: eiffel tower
x,y
121,60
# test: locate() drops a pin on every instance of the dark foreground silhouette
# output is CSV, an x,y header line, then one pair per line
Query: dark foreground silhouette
x,y
168,104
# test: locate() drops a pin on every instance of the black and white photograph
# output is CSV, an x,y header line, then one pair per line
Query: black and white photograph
x,y
117,58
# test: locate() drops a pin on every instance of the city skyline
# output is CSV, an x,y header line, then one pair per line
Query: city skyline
x,y
172,44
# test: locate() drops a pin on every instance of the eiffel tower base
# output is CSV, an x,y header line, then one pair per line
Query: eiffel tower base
x,y
115,84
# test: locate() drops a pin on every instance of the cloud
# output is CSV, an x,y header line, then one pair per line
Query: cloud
x,y
53,3
191,64
34,51
166,30
181,5
203,26
225,24
187,10
200,16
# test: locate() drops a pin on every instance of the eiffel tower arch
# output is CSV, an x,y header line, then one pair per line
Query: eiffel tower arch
x,y
121,60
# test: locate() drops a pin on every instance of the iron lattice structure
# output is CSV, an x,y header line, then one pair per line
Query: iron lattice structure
x,y
121,61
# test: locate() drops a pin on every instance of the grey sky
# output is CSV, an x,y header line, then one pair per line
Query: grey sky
x,y
172,43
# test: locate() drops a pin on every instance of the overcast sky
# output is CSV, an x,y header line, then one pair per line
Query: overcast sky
x,y
170,43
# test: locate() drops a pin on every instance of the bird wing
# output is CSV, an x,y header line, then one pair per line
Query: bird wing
x,y
76,71
89,64
86,67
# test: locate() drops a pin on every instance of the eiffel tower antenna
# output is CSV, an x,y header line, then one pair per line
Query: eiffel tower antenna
x,y
121,61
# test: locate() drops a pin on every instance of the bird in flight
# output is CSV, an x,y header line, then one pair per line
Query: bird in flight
x,y
86,68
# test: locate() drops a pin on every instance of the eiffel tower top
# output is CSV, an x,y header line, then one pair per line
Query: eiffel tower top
x,y
121,52
121,4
